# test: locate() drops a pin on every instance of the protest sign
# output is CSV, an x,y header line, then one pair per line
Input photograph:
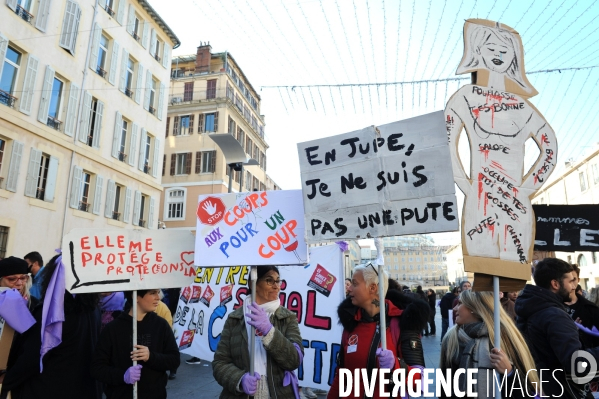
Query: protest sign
x,y
496,117
255,228
313,292
104,260
567,228
388,180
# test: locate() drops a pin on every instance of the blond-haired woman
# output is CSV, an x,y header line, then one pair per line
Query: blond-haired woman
x,y
469,345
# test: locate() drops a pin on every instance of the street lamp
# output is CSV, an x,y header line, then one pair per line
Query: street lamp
x,y
235,155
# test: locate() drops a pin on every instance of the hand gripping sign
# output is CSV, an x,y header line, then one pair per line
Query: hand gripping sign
x,y
255,228
103,260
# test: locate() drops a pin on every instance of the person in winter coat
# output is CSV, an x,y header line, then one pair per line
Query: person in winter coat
x,y
156,351
445,304
464,286
71,358
508,305
360,343
278,345
551,334
583,311
469,345
432,303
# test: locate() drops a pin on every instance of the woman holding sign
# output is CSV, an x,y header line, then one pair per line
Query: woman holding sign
x,y
279,348
468,345
360,316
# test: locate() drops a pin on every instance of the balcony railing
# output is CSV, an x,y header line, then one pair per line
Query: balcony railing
x,y
157,57
152,110
142,223
116,215
122,156
26,16
101,71
83,206
135,36
109,10
7,99
147,168
54,123
129,92
40,193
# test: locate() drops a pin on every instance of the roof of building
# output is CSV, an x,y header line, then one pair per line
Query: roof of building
x,y
192,57
160,22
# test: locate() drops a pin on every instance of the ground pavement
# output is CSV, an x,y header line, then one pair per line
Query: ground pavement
x,y
196,381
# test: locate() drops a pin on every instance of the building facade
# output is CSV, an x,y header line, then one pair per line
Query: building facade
x,y
415,260
208,93
83,88
578,184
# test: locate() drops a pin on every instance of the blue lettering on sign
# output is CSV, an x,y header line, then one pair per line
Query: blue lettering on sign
x,y
319,347
219,313
334,351
300,369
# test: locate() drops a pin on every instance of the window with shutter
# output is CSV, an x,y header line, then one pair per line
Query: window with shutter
x,y
211,89
188,163
151,213
43,11
188,92
168,122
166,55
114,63
144,150
28,85
116,138
216,122
156,157
163,164
136,208
173,164
70,125
110,200
127,206
213,161
76,187
98,195
191,117
133,144
42,115
176,126
201,123
198,162
160,106
70,26
33,172
49,185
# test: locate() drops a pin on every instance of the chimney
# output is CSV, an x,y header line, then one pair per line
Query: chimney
x,y
203,57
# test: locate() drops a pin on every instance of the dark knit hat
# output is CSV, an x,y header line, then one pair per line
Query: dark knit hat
x,y
12,265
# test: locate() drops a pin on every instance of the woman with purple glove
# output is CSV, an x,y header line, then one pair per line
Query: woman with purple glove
x,y
359,314
468,345
278,349
156,351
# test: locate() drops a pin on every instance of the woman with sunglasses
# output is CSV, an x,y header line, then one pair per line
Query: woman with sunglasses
x,y
469,345
359,314
278,349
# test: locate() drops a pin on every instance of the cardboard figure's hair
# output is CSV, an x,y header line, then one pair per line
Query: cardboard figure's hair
x,y
476,32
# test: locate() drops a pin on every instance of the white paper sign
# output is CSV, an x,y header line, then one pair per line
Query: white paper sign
x,y
392,180
205,305
105,260
254,228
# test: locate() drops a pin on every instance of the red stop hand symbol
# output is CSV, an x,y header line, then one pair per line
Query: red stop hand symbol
x,y
211,210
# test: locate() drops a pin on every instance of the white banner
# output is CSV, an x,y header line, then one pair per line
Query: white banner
x,y
106,260
254,228
393,179
313,292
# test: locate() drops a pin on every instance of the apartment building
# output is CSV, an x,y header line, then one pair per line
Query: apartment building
x,y
415,260
577,184
208,93
83,88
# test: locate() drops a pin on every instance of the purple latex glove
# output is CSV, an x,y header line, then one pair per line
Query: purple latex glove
x,y
133,374
386,358
249,384
589,331
258,318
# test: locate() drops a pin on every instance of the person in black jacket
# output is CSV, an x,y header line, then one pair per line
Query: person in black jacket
x,y
156,351
445,304
584,312
551,334
69,361
431,297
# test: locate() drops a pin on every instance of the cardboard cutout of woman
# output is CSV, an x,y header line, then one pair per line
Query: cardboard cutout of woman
x,y
494,111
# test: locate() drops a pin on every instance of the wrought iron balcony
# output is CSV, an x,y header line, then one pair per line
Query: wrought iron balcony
x,y
152,110
54,123
116,215
7,99
26,16
135,36
122,156
147,168
40,193
128,92
142,223
157,57
101,71
83,206
109,10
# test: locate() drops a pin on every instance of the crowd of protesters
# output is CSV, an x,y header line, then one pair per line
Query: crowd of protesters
x,y
88,338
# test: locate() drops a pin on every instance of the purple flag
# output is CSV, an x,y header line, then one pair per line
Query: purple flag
x,y
53,311
13,309
343,245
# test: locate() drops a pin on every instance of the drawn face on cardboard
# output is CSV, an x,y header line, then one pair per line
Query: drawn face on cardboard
x,y
497,54
267,288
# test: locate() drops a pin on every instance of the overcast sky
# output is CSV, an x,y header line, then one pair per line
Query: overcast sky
x,y
334,42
